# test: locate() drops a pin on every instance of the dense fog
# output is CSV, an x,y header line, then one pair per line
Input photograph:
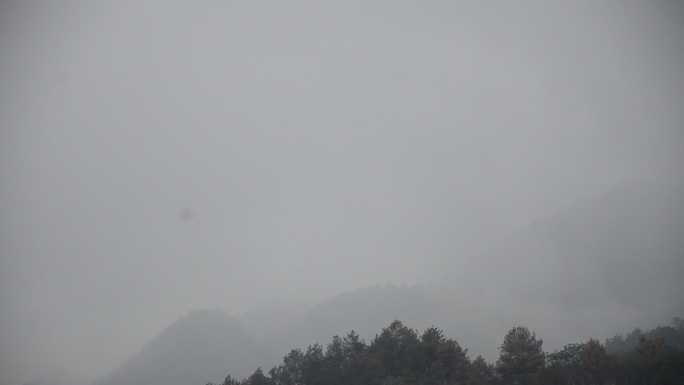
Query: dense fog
x,y
263,158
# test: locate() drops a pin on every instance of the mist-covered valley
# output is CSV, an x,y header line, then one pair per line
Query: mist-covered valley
x,y
194,190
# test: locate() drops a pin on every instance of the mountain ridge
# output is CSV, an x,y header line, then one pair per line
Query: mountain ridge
x,y
201,346
576,274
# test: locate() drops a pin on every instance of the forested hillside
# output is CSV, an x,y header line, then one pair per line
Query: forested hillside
x,y
400,355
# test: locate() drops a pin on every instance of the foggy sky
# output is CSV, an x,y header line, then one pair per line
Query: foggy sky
x,y
158,158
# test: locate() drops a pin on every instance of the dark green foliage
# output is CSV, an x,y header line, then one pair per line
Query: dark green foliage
x,y
230,381
395,350
400,356
554,373
651,363
432,336
520,356
450,363
312,368
290,371
570,359
673,336
395,356
480,372
619,344
336,362
258,378
586,364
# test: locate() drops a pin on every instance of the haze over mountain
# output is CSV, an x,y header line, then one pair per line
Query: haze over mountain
x,y
607,263
165,156
571,306
613,262
272,315
200,347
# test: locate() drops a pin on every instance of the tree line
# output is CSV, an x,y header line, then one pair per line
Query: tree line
x,y
399,355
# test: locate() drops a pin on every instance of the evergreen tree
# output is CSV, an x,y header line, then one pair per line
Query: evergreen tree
x,y
335,364
290,371
520,357
480,372
258,378
450,363
230,381
394,349
312,365
570,357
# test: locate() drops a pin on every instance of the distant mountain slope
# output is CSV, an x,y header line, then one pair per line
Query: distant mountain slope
x,y
272,315
201,346
606,264
623,244
366,311
609,263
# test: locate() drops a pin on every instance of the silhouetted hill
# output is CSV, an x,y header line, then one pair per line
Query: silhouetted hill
x,y
201,346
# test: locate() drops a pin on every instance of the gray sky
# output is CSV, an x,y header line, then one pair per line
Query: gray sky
x,y
320,147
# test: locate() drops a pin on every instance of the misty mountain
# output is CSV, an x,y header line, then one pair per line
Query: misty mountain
x,y
368,310
271,315
614,261
607,263
569,276
364,311
584,250
201,346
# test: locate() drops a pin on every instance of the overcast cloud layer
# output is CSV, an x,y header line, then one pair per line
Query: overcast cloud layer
x,y
162,157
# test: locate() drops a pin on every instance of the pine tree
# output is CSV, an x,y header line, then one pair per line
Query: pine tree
x,y
520,356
